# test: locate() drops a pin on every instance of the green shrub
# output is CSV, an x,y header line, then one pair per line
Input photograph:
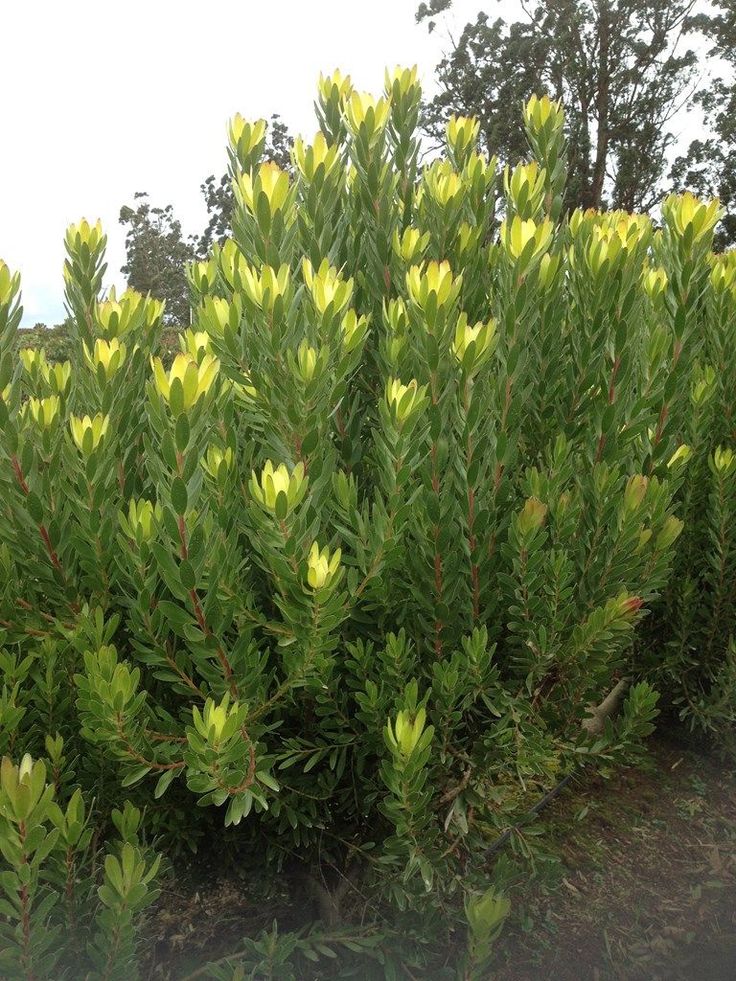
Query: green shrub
x,y
365,555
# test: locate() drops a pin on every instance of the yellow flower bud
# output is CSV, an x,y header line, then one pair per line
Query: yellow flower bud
x,y
669,533
264,287
246,138
353,329
108,355
473,344
543,113
525,186
461,134
366,114
85,234
401,82
407,730
32,359
326,287
485,914
322,567
115,317
411,245
635,492
306,358
43,411
25,770
403,400
443,184
195,343
527,238
9,284
270,183
88,433
191,380
685,214
681,455
532,515
654,281
704,386
723,460
335,87
317,160
215,458
142,520
433,283
202,276
279,484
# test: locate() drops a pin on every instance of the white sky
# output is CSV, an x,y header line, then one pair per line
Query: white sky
x,y
103,98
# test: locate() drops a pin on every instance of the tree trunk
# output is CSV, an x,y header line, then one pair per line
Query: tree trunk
x,y
602,103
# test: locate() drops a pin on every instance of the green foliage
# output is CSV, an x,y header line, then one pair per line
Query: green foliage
x,y
55,886
355,565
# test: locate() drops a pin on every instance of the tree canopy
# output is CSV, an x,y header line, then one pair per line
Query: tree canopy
x,y
622,68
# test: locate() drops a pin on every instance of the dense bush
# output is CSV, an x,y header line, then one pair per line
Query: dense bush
x,y
357,565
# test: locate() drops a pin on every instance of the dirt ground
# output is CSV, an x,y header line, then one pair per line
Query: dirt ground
x,y
640,884
647,886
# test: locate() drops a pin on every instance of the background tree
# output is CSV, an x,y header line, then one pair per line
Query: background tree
x,y
621,67
56,341
218,193
709,165
156,256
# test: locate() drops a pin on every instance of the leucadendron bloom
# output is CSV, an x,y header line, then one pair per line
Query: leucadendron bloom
x,y
306,362
525,188
246,138
689,217
269,187
328,290
106,356
186,381
403,400
405,733
525,239
669,532
462,135
365,115
335,87
277,490
141,521
195,343
354,329
431,286
263,287
473,343
317,160
443,184
680,457
544,115
723,460
322,568
9,284
44,412
411,245
532,516
217,461
654,280
217,723
635,492
87,432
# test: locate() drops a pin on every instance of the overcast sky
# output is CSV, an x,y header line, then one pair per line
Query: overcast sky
x,y
103,98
